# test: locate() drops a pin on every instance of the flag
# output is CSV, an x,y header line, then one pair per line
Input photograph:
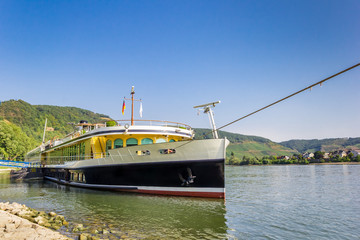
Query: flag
x,y
123,108
141,110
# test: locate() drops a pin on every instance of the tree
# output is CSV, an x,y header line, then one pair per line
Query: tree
x,y
14,143
318,155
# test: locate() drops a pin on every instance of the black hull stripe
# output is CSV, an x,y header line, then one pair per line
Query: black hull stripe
x,y
198,174
131,188
150,163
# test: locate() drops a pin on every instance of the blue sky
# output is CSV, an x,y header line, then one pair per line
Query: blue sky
x,y
179,54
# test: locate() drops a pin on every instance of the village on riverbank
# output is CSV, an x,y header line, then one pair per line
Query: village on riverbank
x,y
318,157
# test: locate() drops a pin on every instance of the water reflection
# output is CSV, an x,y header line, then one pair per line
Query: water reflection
x,y
140,216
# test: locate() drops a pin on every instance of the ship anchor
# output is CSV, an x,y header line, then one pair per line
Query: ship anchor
x,y
189,180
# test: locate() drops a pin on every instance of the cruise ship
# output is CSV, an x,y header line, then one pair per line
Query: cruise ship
x,y
140,156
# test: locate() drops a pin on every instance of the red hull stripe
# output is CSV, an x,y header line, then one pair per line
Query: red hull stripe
x,y
185,194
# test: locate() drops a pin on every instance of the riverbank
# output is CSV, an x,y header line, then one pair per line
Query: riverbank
x,y
14,225
18,221
258,163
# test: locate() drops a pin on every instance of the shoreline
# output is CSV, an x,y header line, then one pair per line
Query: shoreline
x,y
17,221
14,226
326,163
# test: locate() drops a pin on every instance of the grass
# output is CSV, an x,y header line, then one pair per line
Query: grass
x,y
255,149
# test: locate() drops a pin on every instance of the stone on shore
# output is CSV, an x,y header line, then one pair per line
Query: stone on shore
x,y
14,227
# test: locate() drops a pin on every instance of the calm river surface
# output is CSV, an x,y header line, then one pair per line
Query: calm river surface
x,y
262,202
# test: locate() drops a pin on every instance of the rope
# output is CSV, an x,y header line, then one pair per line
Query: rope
x,y
263,108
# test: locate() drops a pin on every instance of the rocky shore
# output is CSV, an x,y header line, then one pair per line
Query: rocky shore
x,y
20,222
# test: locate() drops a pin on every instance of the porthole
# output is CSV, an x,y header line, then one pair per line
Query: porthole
x,y
143,152
167,151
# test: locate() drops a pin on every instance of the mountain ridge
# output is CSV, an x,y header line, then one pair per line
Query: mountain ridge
x,y
31,119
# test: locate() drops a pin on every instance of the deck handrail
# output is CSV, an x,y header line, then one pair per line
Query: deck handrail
x,y
158,121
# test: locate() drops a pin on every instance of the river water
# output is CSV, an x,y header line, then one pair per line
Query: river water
x,y
262,202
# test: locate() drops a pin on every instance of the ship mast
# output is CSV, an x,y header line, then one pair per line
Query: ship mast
x,y
207,109
132,104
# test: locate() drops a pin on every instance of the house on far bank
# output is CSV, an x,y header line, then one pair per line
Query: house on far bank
x,y
326,155
283,157
354,152
340,153
308,155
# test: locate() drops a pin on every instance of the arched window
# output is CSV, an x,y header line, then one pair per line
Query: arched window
x,y
131,142
118,143
146,141
172,140
108,146
160,140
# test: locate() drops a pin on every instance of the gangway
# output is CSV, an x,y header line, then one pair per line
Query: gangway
x,y
18,164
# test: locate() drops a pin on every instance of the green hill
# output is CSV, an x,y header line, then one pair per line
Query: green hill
x,y
248,146
31,118
18,117
324,145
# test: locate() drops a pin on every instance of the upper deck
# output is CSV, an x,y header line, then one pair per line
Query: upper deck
x,y
155,128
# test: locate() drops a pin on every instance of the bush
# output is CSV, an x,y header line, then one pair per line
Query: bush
x,y
110,123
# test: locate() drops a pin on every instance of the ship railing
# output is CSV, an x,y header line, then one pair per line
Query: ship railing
x,y
155,123
59,160
113,123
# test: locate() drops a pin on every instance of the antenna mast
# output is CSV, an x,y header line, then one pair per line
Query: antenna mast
x,y
43,140
207,109
132,104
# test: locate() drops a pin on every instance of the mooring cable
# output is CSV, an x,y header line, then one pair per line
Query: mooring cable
x,y
278,101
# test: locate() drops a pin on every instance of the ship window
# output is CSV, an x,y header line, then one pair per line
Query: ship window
x,y
167,151
131,142
146,141
108,144
172,140
160,140
118,143
143,152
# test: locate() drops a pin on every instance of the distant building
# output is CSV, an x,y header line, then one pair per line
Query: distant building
x,y
283,157
340,153
50,129
326,155
354,152
308,155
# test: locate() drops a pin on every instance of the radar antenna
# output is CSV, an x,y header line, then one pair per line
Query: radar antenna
x,y
207,109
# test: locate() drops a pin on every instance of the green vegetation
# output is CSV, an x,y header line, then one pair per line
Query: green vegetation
x,y
247,146
324,145
295,159
203,133
266,160
14,143
31,118
23,124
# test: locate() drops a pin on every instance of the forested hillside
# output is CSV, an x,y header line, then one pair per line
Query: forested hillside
x,y
22,125
248,146
14,143
324,145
